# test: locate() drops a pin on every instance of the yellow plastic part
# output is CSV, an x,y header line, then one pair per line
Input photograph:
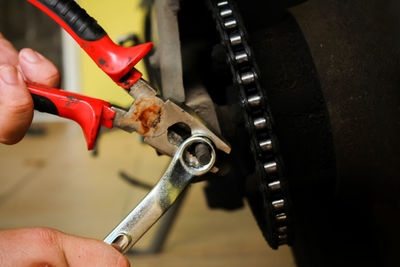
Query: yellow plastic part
x,y
118,18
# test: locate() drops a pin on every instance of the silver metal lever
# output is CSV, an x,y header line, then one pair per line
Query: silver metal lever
x,y
183,168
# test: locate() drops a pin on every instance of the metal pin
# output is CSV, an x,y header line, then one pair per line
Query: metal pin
x,y
235,39
226,12
254,101
203,153
247,77
222,3
283,239
230,23
260,123
282,229
274,186
266,145
281,217
241,57
270,167
278,204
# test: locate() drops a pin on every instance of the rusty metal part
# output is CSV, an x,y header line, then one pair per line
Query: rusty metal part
x,y
198,99
168,59
202,153
168,56
163,124
183,168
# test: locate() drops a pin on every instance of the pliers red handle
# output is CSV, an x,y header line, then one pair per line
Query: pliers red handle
x,y
116,61
89,112
150,116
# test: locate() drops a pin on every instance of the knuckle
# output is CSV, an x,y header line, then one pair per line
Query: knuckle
x,y
5,43
20,107
9,54
53,78
46,236
15,121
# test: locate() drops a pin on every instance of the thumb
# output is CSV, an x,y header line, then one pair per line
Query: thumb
x,y
89,252
16,105
38,69
48,247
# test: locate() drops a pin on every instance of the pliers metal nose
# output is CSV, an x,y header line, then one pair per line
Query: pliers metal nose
x,y
163,123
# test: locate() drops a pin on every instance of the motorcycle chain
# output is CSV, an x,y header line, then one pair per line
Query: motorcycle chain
x,y
273,215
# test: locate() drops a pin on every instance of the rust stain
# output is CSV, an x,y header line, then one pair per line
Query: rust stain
x,y
72,99
148,113
102,61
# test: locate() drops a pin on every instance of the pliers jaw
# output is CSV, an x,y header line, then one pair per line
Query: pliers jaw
x,y
164,124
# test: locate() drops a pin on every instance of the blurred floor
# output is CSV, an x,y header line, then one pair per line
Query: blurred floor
x,y
53,181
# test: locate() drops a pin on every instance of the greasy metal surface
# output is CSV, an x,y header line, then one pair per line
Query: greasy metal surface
x,y
168,59
152,117
168,53
200,101
182,169
356,49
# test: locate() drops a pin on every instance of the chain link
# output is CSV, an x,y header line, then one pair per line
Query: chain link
x,y
274,223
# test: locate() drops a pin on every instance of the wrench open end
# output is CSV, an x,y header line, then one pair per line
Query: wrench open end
x,y
195,156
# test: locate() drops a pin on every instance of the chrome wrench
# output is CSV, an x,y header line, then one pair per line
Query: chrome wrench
x,y
183,168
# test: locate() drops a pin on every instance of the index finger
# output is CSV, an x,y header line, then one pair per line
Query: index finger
x,y
9,55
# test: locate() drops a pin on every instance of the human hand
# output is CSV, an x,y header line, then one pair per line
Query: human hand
x,y
16,104
42,247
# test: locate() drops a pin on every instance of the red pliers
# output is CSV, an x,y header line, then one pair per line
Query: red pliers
x,y
163,124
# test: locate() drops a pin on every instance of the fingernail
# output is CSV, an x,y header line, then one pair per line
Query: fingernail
x,y
30,55
9,75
